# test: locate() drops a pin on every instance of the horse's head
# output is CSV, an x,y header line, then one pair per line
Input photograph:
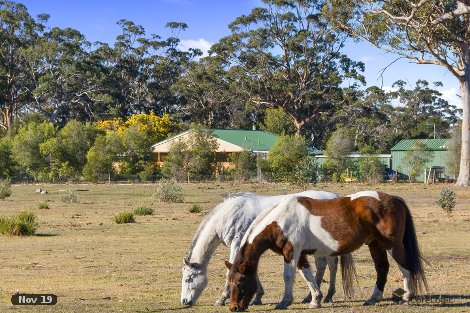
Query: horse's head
x,y
242,284
193,283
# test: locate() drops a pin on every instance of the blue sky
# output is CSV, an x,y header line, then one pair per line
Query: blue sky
x,y
208,20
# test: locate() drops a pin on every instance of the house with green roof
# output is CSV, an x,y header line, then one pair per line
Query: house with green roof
x,y
438,163
229,141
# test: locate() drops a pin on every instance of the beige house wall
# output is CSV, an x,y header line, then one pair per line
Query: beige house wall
x,y
161,150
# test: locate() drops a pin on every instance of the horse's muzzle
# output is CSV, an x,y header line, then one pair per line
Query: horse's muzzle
x,y
236,309
186,302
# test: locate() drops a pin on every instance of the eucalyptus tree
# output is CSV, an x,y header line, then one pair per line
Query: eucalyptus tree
x,y
422,112
18,31
423,31
209,95
69,82
144,68
369,114
285,55
381,118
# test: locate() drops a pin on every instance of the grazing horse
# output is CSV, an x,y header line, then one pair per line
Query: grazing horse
x,y
227,224
301,225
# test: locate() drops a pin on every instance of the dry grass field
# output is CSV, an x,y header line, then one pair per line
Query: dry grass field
x,y
95,265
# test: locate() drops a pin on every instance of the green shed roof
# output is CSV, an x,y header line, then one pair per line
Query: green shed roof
x,y
432,144
254,140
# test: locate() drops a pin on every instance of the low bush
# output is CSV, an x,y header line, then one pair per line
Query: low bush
x,y
5,189
124,217
70,197
195,208
169,191
23,224
447,200
43,206
143,211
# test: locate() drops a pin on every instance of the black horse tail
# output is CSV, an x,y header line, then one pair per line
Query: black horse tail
x,y
413,257
348,275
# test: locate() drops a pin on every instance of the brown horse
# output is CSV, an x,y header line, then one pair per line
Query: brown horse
x,y
301,226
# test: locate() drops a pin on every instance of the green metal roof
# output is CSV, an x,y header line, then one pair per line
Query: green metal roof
x,y
253,140
432,144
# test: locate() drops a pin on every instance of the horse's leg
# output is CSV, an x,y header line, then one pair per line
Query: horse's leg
x,y
398,254
379,255
333,267
320,264
259,292
311,280
289,277
234,247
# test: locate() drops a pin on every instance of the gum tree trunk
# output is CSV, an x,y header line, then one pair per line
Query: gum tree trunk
x,y
464,172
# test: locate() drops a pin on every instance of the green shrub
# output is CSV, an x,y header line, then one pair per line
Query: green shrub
x,y
447,200
151,172
23,224
5,189
43,206
70,197
245,165
169,191
143,211
124,217
287,152
307,171
195,208
371,170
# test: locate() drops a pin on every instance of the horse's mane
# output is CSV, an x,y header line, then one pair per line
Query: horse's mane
x,y
262,215
212,213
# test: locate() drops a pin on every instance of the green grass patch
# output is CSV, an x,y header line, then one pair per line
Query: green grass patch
x,y
22,224
195,208
144,210
43,206
124,217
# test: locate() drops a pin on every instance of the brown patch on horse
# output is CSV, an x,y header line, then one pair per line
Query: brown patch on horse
x,y
364,217
272,237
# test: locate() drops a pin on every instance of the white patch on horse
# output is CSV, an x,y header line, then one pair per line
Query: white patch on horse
x,y
285,214
322,241
368,193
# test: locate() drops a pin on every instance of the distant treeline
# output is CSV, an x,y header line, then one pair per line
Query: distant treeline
x,y
277,70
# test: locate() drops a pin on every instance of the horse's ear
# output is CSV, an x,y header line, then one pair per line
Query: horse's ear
x,y
242,268
196,265
186,262
228,265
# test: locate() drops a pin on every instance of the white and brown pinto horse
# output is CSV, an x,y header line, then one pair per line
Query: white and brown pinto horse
x,y
226,224
301,225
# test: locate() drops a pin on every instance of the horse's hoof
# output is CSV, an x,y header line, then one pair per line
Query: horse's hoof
x,y
219,303
314,305
307,299
257,302
328,299
368,303
281,306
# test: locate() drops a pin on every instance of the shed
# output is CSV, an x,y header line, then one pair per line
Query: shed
x,y
440,150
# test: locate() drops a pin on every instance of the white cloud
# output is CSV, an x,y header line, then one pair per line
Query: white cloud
x,y
200,43
451,95
389,88
367,59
